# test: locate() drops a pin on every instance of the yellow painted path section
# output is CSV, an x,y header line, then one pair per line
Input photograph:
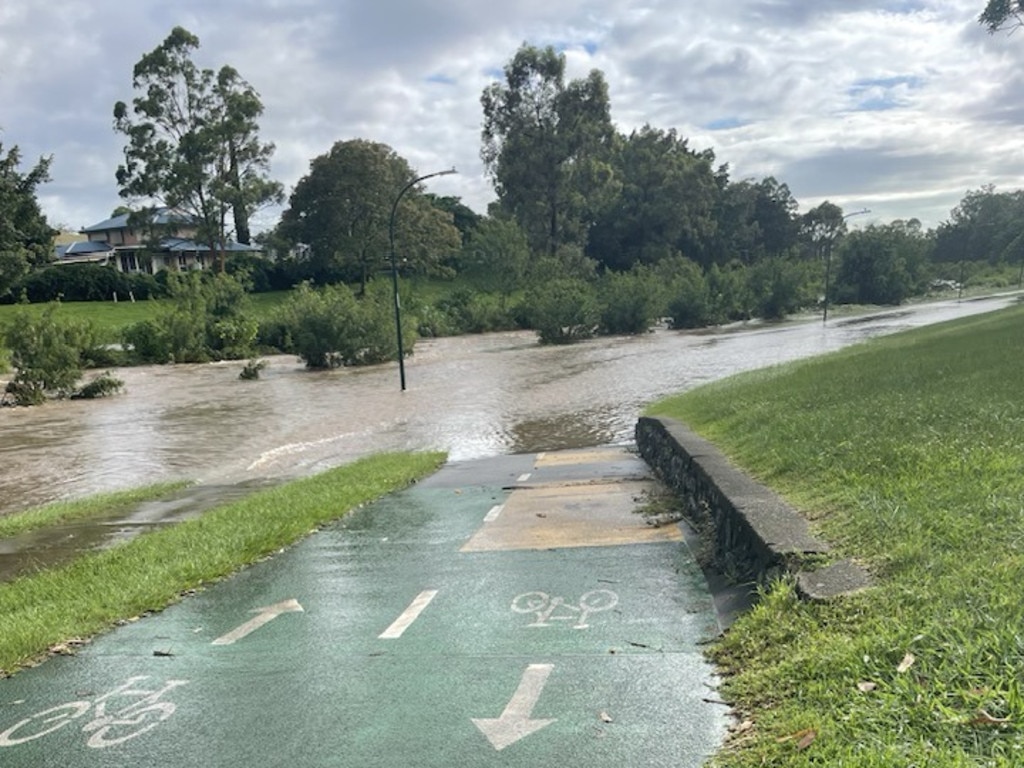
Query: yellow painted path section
x,y
563,508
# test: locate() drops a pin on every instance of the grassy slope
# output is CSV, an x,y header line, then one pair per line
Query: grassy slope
x,y
908,452
92,593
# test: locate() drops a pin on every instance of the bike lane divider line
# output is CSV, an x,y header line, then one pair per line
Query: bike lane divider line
x,y
491,516
264,616
515,723
523,477
409,615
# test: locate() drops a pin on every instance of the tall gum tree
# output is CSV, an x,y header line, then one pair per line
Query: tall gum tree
x,y
546,145
193,142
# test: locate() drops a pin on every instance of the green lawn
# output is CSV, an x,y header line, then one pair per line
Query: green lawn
x,y
908,454
110,317
92,593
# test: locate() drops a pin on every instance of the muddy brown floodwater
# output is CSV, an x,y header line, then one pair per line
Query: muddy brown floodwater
x,y
472,396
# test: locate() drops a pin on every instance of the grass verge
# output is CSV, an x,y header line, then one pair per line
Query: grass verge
x,y
907,453
101,505
89,595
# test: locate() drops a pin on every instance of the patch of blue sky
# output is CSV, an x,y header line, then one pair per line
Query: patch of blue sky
x,y
442,79
725,124
883,93
905,6
590,46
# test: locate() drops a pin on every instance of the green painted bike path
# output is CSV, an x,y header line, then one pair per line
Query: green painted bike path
x,y
423,630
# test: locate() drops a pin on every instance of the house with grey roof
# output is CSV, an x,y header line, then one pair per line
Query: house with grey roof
x,y
165,240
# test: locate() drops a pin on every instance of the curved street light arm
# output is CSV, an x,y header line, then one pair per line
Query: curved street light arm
x,y
394,264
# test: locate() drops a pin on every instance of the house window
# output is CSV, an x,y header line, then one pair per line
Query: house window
x,y
182,261
201,261
129,263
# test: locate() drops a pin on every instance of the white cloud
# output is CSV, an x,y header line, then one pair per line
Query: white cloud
x,y
897,105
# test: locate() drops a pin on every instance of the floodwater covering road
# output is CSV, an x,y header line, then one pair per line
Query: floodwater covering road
x,y
473,396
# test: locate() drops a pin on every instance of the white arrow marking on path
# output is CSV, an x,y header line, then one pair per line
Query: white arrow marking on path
x,y
515,723
265,615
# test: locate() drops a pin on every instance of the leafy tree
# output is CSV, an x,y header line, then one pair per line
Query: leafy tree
x,y
193,141
464,218
629,301
689,306
546,145
342,209
26,239
497,257
563,310
329,327
755,220
664,204
47,355
882,264
208,318
779,286
821,228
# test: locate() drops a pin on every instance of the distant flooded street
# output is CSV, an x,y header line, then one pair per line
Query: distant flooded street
x,y
472,396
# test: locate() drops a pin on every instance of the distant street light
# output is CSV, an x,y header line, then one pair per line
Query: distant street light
x,y
828,262
394,265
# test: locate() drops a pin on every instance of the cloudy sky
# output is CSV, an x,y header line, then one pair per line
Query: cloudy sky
x,y
898,106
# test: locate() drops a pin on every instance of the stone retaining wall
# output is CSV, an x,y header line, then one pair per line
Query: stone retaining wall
x,y
752,534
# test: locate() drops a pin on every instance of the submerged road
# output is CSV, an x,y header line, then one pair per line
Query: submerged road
x,y
511,611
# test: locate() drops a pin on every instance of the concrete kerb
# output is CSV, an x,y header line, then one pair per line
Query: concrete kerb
x,y
752,533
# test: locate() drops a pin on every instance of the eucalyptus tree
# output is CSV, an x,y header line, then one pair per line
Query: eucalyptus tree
x,y
342,210
193,141
545,146
26,239
1002,15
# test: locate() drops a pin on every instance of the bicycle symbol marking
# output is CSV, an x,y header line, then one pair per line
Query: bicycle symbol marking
x,y
547,609
107,730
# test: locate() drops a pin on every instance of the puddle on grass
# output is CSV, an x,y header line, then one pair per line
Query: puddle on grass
x,y
56,545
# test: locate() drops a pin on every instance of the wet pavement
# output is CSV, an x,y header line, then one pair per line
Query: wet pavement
x,y
512,611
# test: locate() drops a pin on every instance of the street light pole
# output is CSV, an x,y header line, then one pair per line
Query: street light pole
x,y
828,262
394,265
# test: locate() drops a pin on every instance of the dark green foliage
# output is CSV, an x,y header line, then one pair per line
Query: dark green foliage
x,y
1000,15
26,239
630,302
260,273
665,202
778,287
881,265
329,327
690,306
46,352
563,310
209,318
147,342
87,282
342,211
464,311
496,256
103,385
